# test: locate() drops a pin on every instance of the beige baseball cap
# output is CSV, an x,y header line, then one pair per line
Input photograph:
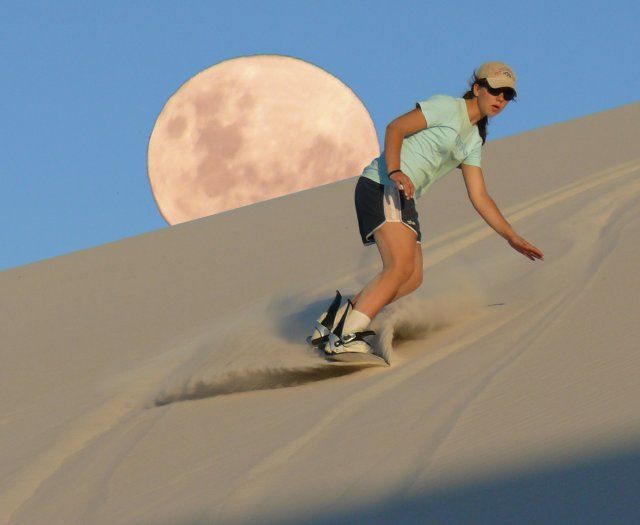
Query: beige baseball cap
x,y
498,74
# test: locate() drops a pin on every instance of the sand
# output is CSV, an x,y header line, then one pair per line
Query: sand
x,y
164,378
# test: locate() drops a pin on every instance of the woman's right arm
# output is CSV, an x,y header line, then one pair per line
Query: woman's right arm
x,y
397,130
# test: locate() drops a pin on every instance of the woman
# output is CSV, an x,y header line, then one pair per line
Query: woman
x,y
421,146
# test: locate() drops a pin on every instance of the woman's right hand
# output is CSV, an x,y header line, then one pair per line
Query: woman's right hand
x,y
403,183
525,248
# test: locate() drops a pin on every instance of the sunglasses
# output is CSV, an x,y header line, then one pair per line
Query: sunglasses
x,y
507,92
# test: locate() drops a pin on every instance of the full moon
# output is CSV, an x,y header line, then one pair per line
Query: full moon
x,y
255,128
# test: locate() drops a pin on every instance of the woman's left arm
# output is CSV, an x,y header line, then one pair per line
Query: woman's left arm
x,y
484,205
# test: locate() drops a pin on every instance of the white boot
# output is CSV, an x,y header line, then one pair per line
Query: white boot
x,y
328,320
350,333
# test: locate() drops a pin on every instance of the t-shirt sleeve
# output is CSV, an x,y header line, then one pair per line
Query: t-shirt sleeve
x,y
474,157
436,110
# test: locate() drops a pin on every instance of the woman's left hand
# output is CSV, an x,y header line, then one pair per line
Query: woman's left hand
x,y
525,248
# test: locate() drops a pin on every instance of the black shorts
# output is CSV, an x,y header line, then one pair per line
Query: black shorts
x,y
377,204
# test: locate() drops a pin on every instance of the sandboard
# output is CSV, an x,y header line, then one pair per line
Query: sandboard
x,y
357,358
352,358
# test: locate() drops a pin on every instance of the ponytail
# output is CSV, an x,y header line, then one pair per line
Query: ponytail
x,y
484,122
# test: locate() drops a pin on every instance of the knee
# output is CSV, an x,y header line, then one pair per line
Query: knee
x,y
416,280
402,271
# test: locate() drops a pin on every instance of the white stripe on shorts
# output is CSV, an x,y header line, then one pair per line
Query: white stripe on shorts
x,y
392,211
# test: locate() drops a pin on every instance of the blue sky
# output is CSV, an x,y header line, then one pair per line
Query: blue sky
x,y
83,82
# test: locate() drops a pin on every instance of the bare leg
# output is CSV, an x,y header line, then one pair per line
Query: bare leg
x,y
411,284
397,246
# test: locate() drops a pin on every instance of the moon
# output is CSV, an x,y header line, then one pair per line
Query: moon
x,y
254,128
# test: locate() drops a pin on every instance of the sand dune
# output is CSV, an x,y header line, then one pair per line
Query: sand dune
x,y
164,378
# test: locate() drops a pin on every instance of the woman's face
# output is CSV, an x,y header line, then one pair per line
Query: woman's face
x,y
488,104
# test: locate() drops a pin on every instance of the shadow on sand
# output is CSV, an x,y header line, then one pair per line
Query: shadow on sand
x,y
295,327
601,490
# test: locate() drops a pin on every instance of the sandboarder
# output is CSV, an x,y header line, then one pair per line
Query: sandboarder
x,y
441,133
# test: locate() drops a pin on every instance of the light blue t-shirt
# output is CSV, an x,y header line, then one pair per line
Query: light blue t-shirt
x,y
448,140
